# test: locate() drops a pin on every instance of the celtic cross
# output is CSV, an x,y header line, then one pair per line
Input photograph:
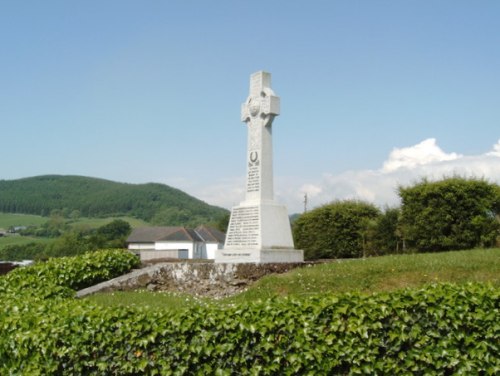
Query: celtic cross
x,y
258,112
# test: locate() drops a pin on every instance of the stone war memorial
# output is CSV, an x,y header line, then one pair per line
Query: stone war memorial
x,y
259,228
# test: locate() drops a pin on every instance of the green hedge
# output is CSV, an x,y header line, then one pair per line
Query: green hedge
x,y
439,329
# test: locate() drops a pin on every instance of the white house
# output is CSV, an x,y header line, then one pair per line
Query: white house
x,y
175,242
212,238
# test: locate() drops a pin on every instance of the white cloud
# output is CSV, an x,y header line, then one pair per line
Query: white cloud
x,y
226,192
423,153
496,149
404,166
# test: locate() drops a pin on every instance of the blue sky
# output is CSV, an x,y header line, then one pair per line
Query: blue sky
x,y
373,93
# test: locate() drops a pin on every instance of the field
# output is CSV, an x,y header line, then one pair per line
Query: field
x,y
371,275
8,219
19,240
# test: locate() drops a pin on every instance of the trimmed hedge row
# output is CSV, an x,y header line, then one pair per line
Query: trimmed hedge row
x,y
71,273
439,329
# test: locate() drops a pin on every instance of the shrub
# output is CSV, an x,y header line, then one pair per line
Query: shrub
x,y
341,229
453,213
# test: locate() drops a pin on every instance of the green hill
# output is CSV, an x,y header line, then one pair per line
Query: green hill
x,y
92,197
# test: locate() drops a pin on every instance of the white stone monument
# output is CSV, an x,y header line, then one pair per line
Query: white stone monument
x,y
259,229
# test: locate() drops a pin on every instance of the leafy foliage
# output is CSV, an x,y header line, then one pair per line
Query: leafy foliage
x,y
72,272
453,213
74,241
19,252
439,329
387,233
112,235
73,196
337,230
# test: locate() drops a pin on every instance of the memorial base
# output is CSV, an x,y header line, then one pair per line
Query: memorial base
x,y
259,256
259,232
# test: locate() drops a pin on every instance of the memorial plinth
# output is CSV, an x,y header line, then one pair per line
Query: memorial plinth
x,y
259,228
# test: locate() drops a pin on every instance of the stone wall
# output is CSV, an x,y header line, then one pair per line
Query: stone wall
x,y
206,279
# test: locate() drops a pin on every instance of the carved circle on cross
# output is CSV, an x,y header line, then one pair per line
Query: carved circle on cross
x,y
254,106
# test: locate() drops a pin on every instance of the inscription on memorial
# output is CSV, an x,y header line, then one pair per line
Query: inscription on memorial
x,y
253,177
244,228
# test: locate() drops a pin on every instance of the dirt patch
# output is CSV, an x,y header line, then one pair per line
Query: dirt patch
x,y
6,267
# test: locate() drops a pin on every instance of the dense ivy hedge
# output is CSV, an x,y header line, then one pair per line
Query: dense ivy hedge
x,y
439,329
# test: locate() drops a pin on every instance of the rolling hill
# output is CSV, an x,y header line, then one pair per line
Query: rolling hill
x,y
92,197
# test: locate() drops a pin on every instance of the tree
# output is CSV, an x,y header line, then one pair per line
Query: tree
x,y
112,235
336,230
223,223
387,237
115,229
172,216
19,252
453,213
71,243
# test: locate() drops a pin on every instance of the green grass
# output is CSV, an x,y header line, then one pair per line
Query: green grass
x,y
19,240
386,273
9,219
376,274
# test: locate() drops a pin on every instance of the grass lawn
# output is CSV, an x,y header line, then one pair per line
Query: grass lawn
x,y
385,273
9,219
366,275
19,240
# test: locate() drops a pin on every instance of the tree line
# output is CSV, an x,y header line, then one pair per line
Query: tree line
x,y
450,214
90,197
69,241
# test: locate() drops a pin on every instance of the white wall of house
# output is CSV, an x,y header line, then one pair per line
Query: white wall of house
x,y
166,245
196,250
211,248
147,255
140,246
200,251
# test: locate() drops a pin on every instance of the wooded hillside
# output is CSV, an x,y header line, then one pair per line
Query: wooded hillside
x,y
91,197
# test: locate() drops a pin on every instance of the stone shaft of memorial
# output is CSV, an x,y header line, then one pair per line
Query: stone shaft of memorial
x,y
258,112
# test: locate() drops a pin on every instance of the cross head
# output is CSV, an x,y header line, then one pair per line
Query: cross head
x,y
261,105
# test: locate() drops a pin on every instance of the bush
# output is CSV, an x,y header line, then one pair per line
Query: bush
x,y
341,229
453,213
19,252
72,272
